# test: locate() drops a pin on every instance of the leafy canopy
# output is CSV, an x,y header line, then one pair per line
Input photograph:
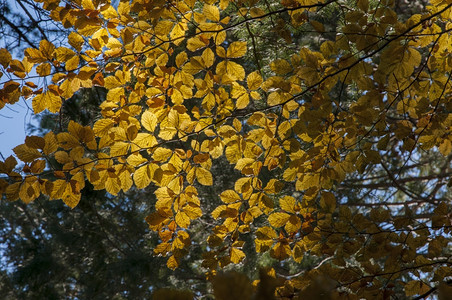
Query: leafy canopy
x,y
188,83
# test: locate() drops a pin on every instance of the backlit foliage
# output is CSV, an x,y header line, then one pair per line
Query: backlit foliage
x,y
184,89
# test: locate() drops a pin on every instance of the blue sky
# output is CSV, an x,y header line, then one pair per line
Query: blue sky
x,y
14,120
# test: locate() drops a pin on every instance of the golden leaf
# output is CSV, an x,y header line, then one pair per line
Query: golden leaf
x,y
229,196
237,255
63,54
415,287
12,191
101,127
278,219
208,57
204,176
143,176
26,154
51,144
281,67
72,63
48,100
328,202
149,121
256,12
236,49
254,80
211,12
195,43
293,224
35,142
172,262
47,49
280,251
182,219
5,57
287,203
162,154
76,40
233,70
43,69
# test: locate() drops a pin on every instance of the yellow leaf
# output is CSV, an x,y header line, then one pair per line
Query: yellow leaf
x,y
143,176
277,97
231,69
47,49
48,100
29,191
308,181
237,255
445,147
12,191
208,57
35,142
162,154
195,43
236,49
256,12
108,12
5,57
280,251
181,59
288,203
119,148
204,176
244,162
63,54
219,211
274,186
319,27
51,144
254,80
163,28
328,202
293,224
44,69
167,132
182,219
102,127
88,4
415,287
278,219
86,72
172,263
70,198
211,12
298,252
181,241
76,41
178,33
34,55
112,185
72,63
149,121
26,154
281,67
229,196
193,211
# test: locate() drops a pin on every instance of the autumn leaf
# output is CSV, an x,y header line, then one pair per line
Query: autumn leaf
x,y
278,219
204,176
